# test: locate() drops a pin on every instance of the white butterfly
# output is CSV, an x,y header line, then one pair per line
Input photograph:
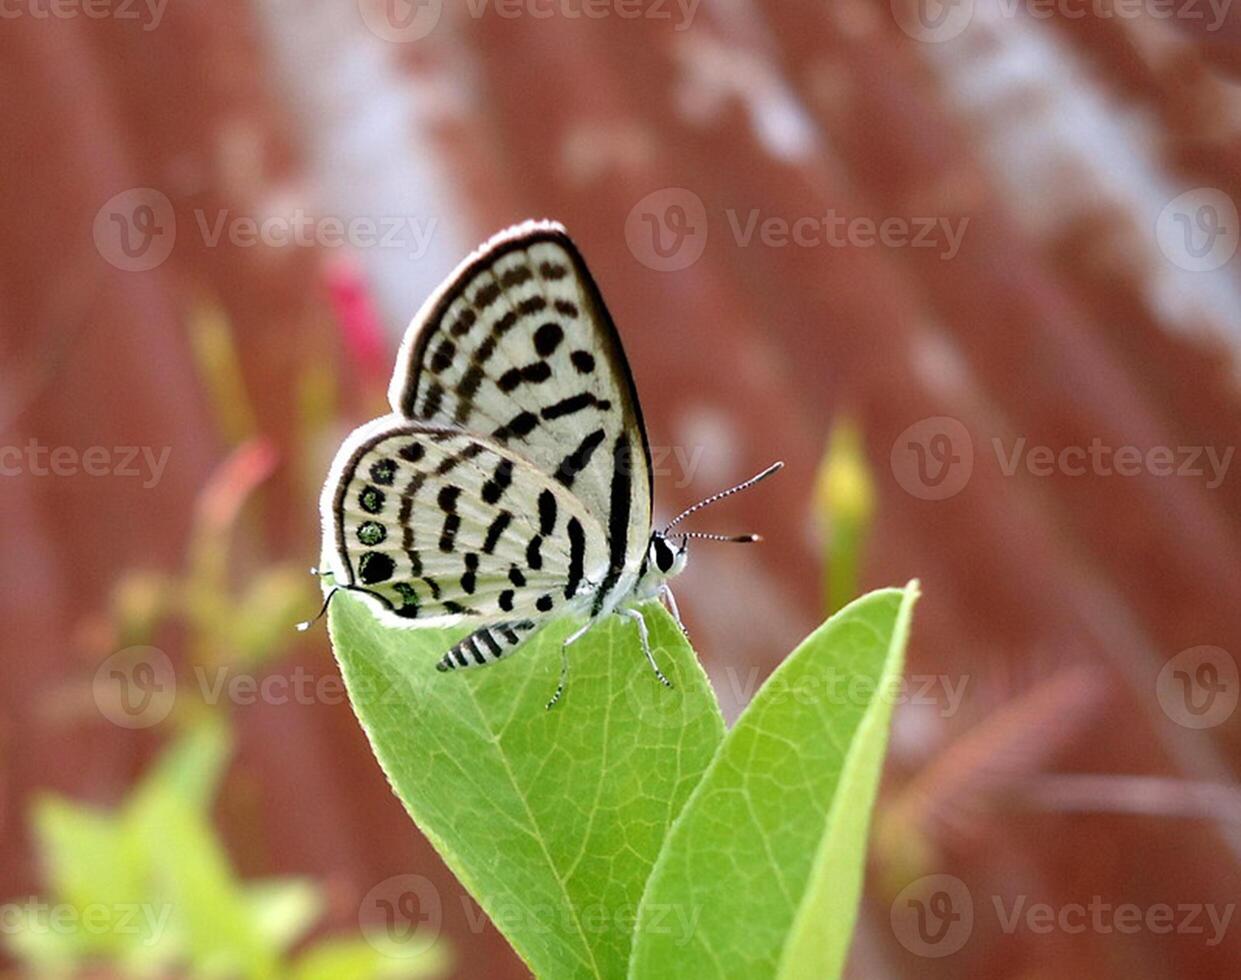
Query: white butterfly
x,y
512,482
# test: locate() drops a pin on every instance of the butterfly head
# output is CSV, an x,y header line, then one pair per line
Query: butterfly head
x,y
665,556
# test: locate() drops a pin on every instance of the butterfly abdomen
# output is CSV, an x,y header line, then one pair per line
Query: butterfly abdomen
x,y
486,645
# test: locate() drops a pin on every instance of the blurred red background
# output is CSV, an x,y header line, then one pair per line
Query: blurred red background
x,y
1072,180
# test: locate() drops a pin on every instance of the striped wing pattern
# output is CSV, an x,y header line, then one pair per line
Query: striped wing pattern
x,y
442,526
518,346
513,479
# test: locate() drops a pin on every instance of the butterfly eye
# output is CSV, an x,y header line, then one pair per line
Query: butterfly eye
x,y
663,554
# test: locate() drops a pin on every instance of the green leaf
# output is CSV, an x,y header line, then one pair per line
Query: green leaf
x,y
283,909
86,858
191,767
552,819
205,906
761,875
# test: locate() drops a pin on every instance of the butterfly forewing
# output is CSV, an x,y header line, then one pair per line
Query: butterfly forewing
x,y
518,347
443,526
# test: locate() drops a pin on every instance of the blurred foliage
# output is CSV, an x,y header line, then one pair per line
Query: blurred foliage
x,y
844,504
147,890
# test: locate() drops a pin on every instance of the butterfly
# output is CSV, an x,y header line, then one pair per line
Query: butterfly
x,y
512,482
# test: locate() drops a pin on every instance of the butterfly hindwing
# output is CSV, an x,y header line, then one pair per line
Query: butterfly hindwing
x,y
519,347
443,526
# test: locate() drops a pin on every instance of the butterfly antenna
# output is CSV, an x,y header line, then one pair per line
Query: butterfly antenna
x,y
303,627
731,538
773,468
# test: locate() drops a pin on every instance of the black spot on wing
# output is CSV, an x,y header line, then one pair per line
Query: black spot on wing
x,y
409,600
575,403
494,488
547,512
434,399
447,498
497,528
374,567
579,459
516,277
448,536
535,373
487,295
577,554
469,579
371,499
371,533
534,553
548,337
520,425
382,471
450,463
461,326
441,360
618,517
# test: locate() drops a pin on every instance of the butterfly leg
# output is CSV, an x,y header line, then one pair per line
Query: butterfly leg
x,y
670,601
636,616
564,664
